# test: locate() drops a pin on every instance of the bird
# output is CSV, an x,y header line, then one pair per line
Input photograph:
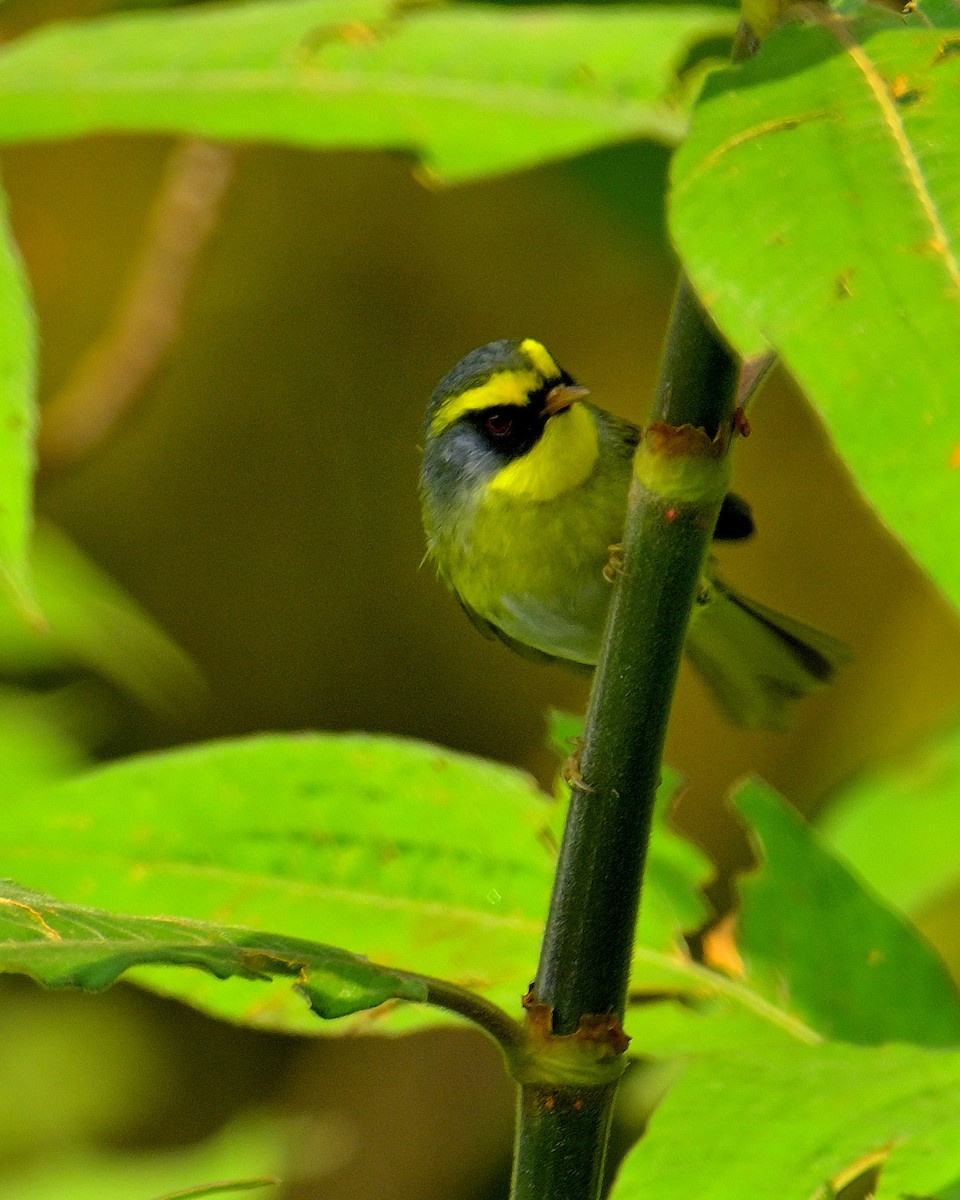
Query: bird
x,y
523,491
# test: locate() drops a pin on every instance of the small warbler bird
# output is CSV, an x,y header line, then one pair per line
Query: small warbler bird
x,y
524,488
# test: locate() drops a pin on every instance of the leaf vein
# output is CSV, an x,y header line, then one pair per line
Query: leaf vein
x,y
940,242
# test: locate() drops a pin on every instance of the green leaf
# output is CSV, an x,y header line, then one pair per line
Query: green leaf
x,y
414,856
564,731
944,14
777,1118
405,853
90,622
409,854
816,205
810,931
41,736
66,945
676,874
534,85
18,371
899,826
251,1146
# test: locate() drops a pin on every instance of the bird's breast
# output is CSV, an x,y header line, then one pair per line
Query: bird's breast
x,y
535,570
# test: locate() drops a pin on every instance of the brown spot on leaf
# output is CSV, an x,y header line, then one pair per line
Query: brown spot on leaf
x,y
902,93
358,33
353,33
955,458
34,915
932,246
719,946
947,48
548,839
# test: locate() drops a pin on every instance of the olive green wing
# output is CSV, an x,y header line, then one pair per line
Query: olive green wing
x,y
494,633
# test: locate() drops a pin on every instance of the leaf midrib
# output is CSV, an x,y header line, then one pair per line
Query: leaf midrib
x,y
492,97
237,877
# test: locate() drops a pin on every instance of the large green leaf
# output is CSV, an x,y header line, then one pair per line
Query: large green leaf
x,y
815,938
900,826
402,852
406,853
773,1117
816,205
66,945
471,90
91,623
18,368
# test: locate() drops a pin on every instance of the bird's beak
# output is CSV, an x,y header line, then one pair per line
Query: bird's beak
x,y
561,397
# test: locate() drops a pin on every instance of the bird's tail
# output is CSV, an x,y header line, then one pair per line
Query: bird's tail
x,y
758,661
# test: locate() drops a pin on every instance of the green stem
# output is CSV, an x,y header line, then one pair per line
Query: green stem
x,y
564,1142
680,479
698,374
585,957
490,1017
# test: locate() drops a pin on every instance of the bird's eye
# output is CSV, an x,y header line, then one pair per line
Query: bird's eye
x,y
498,424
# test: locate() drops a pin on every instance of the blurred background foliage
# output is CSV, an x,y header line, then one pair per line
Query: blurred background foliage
x,y
259,501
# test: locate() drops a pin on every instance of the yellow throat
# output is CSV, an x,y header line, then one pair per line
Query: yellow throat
x,y
560,461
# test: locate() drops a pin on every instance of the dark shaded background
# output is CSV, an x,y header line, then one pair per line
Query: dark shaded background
x,y
260,502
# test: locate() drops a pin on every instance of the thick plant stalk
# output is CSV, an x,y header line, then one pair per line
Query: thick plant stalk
x,y
575,1010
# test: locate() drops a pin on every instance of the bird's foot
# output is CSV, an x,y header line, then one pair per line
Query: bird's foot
x,y
613,568
572,775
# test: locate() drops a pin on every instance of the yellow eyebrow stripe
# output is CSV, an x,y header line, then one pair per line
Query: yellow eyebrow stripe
x,y
539,355
505,388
